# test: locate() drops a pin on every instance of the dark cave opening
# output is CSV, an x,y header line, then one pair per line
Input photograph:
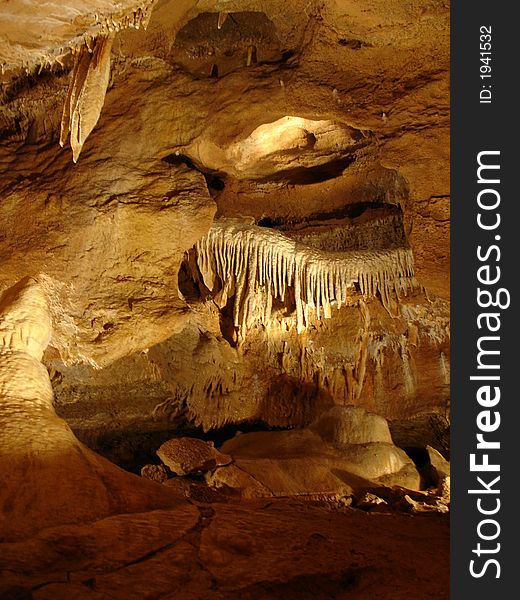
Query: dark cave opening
x,y
347,211
227,326
188,286
214,181
422,462
133,449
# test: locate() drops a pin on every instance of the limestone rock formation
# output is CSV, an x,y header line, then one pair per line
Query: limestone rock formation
x,y
48,477
39,34
86,93
439,470
351,425
440,466
251,260
371,502
320,161
300,463
256,236
438,505
287,148
190,455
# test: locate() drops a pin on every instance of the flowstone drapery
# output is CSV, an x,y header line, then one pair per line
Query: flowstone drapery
x,y
252,262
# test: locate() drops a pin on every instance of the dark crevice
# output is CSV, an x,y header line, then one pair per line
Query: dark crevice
x,y
227,326
270,222
422,461
213,181
287,55
348,211
312,175
191,283
418,455
179,159
132,449
187,286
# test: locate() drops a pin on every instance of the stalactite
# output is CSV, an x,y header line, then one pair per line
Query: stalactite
x,y
409,378
444,366
249,259
86,93
222,16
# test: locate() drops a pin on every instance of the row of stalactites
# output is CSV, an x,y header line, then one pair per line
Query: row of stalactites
x,y
247,259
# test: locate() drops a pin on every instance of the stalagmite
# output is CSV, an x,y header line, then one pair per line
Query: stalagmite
x,y
248,259
86,94
25,331
47,477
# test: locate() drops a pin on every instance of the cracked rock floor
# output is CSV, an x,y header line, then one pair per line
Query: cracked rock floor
x,y
258,550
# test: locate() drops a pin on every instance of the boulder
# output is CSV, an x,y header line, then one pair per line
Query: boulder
x,y
299,462
235,478
155,473
190,455
376,460
370,502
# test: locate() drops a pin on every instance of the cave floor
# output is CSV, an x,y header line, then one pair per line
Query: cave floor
x,y
252,550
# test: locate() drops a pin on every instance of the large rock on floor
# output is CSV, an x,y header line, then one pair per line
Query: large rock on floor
x,y
300,463
191,455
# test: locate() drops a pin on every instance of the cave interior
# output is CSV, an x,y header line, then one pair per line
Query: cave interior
x,y
224,299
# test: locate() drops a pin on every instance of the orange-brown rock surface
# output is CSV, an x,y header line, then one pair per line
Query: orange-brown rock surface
x,y
48,477
255,235
337,126
342,454
190,455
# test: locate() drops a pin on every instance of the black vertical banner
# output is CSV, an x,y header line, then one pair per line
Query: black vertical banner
x,y
485,166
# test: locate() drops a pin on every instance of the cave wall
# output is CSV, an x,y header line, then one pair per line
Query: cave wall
x,y
194,128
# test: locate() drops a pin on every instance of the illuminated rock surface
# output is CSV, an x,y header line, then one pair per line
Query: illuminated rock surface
x,y
189,455
299,463
254,237
48,477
